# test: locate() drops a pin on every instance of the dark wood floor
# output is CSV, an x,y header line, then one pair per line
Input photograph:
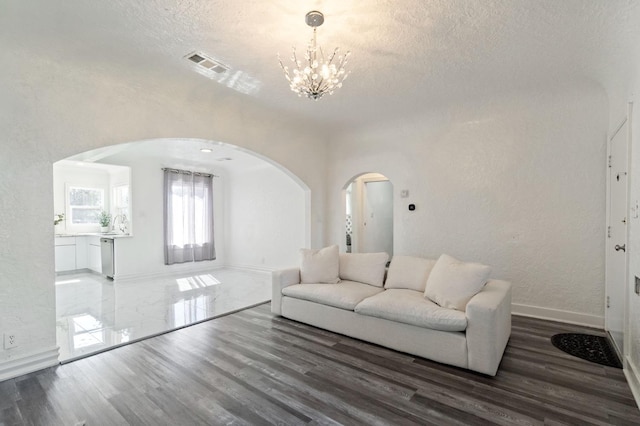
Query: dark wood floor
x,y
253,368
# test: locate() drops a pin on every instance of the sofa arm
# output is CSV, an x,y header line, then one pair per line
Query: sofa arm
x,y
279,280
488,326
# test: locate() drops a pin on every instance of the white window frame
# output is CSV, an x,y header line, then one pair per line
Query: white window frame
x,y
119,205
83,227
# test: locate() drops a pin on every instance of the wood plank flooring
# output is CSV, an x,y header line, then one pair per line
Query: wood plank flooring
x,y
255,368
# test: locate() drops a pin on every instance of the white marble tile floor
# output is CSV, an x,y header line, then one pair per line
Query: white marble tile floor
x,y
94,314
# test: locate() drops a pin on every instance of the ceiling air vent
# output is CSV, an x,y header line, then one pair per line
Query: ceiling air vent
x,y
207,65
217,71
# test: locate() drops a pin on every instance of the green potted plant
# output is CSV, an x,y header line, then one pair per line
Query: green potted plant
x,y
105,220
58,218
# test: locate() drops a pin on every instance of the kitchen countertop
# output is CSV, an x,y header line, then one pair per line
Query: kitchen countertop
x,y
112,235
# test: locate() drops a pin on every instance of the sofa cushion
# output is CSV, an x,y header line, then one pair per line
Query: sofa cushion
x,y
453,283
410,307
344,295
319,266
368,268
409,272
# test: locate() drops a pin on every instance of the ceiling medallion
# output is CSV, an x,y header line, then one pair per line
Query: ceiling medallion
x,y
315,76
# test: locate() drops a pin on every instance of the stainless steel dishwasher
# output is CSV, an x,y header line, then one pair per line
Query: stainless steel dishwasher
x,y
106,251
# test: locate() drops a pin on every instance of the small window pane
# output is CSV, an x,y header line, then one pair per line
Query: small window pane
x,y
86,197
85,205
85,216
121,196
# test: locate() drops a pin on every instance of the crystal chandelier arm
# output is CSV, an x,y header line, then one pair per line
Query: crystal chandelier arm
x,y
317,75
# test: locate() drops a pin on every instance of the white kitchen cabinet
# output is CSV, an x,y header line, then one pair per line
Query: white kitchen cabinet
x,y
94,260
82,248
65,252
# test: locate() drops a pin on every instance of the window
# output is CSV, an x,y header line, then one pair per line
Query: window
x,y
121,200
85,205
188,217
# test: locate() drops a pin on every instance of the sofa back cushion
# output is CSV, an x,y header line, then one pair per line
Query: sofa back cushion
x,y
453,283
409,272
367,268
319,266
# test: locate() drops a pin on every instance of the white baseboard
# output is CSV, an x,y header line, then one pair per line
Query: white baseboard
x,y
558,315
249,267
197,270
632,373
28,363
165,273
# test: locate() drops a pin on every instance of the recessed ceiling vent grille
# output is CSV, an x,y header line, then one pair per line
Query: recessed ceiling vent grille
x,y
217,71
207,65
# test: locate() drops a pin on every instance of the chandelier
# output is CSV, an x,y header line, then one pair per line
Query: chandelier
x,y
315,76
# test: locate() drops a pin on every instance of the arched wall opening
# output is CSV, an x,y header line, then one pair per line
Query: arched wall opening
x,y
261,209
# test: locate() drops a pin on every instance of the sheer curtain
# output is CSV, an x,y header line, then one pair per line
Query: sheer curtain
x,y
188,217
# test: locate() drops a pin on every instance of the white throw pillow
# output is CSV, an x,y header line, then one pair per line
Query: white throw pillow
x,y
452,283
367,268
409,272
319,266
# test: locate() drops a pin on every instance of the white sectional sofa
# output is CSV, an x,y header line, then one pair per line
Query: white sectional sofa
x,y
467,327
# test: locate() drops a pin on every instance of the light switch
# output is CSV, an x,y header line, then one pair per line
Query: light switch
x,y
404,193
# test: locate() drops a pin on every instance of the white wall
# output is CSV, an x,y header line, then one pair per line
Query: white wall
x,y
265,219
51,109
142,255
517,183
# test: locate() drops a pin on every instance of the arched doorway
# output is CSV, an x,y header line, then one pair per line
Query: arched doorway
x,y
261,219
369,214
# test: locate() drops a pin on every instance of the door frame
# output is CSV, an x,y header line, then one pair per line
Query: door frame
x,y
609,241
363,200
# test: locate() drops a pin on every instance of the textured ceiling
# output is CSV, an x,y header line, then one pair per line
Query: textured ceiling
x,y
185,153
407,56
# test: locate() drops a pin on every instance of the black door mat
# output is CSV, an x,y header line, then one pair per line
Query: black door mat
x,y
588,347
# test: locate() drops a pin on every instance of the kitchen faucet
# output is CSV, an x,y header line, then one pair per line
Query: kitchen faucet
x,y
121,220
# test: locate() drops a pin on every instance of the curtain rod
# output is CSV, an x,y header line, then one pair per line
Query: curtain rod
x,y
187,172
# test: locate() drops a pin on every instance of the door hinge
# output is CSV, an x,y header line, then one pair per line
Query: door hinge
x,y
609,162
608,232
608,301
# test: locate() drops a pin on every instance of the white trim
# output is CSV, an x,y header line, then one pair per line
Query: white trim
x,y
626,326
632,373
166,273
250,267
558,315
134,277
612,287
622,123
28,363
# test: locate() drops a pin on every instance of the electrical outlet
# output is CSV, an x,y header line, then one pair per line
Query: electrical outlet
x,y
10,340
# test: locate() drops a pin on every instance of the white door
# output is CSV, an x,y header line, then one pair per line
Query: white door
x,y
616,256
377,235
